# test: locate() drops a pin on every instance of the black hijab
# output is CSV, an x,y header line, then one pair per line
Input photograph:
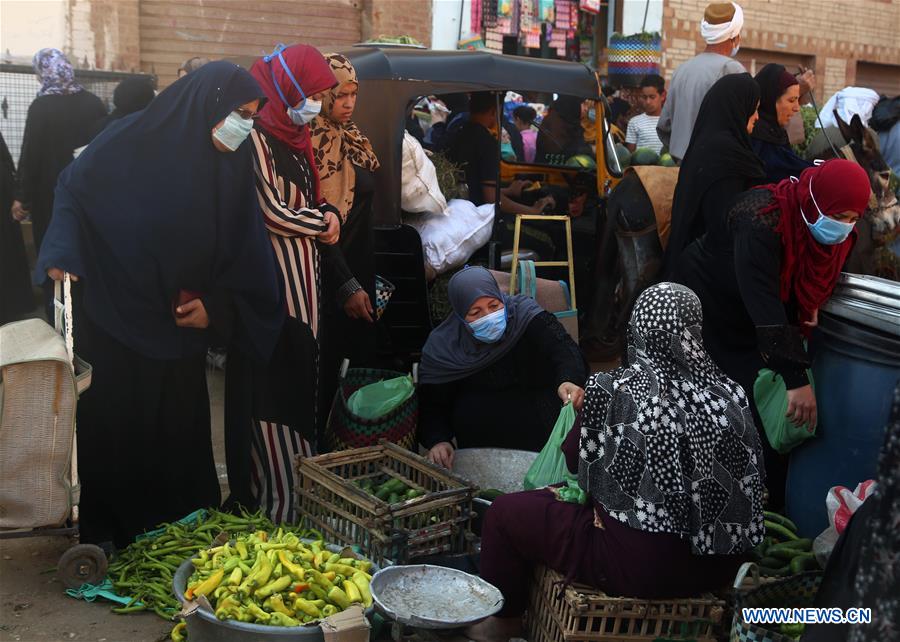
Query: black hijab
x,y
719,149
771,80
151,208
131,95
560,133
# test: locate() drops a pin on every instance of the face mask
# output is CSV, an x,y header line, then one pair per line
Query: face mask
x,y
233,131
735,50
592,115
304,112
826,230
306,109
489,328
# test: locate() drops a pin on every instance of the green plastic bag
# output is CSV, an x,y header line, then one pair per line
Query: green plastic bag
x,y
770,395
550,466
378,399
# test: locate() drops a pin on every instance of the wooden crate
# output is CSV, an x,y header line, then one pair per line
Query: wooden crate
x,y
581,614
437,522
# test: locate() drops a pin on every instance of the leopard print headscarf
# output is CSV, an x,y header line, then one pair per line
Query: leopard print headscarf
x,y
335,143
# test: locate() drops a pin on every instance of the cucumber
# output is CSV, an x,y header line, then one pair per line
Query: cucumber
x,y
770,562
784,552
778,530
782,571
780,519
804,562
393,498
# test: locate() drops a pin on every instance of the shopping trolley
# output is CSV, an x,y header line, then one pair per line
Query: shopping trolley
x,y
40,381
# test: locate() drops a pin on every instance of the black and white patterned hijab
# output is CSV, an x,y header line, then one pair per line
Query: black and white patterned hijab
x,y
668,443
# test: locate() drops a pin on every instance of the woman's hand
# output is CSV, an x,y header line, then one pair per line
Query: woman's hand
x,y
333,233
802,407
807,80
568,391
359,306
18,212
442,454
57,274
191,315
542,203
814,320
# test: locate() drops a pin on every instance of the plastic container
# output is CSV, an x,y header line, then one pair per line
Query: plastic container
x,y
856,369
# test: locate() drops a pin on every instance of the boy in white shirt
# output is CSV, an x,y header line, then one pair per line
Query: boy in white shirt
x,y
642,128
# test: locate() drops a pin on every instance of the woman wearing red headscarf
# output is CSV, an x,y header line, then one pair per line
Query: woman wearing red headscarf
x,y
763,277
271,410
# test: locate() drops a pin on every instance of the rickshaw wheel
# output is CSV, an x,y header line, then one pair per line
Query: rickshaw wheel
x,y
82,564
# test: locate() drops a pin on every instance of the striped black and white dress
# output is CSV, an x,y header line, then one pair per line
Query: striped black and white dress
x,y
285,186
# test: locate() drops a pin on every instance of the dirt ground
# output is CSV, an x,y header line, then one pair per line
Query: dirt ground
x,y
33,605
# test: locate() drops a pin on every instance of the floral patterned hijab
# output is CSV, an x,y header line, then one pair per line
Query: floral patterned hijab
x,y
336,143
55,72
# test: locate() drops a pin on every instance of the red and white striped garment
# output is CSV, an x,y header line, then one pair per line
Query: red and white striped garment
x,y
293,227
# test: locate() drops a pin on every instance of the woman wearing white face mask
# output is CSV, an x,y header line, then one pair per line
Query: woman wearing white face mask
x,y
495,372
168,250
271,410
763,277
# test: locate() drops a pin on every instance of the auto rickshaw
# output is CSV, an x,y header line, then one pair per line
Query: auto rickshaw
x,y
392,79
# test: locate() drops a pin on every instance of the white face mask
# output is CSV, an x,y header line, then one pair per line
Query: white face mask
x,y
735,50
307,110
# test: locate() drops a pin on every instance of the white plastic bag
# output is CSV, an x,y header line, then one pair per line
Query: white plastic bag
x,y
450,238
841,503
419,189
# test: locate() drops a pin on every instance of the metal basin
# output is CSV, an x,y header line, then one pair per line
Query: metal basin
x,y
498,468
434,597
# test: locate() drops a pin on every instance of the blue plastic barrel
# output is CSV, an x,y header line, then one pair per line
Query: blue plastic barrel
x,y
856,369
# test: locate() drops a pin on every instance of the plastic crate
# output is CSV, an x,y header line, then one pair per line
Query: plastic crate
x,y
577,613
437,522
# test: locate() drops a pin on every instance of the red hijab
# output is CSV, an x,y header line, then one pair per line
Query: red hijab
x,y
810,269
313,73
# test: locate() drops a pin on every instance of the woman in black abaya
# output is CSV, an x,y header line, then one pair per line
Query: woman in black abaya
x,y
169,246
16,299
719,163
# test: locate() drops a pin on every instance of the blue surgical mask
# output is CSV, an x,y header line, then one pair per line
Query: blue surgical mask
x,y
826,230
490,327
592,115
233,131
304,111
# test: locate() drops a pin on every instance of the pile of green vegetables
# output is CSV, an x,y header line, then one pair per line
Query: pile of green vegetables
x,y
392,490
278,580
783,552
144,570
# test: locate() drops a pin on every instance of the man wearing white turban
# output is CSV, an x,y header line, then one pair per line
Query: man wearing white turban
x,y
721,28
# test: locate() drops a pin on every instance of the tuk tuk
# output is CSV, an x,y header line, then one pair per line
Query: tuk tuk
x,y
392,79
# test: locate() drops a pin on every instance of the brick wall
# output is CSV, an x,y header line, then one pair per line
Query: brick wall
x,y
397,18
104,33
172,31
834,33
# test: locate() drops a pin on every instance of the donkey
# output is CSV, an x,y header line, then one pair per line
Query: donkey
x,y
630,255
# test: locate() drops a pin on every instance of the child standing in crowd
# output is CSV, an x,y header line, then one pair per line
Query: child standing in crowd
x,y
523,118
642,128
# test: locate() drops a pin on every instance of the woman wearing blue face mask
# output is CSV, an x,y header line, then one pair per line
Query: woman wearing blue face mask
x,y
495,372
158,219
271,410
763,277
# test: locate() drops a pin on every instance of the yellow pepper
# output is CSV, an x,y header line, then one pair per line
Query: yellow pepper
x,y
362,583
280,619
254,610
236,576
321,558
297,571
305,606
352,591
276,603
275,586
177,634
341,569
241,547
210,584
337,596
